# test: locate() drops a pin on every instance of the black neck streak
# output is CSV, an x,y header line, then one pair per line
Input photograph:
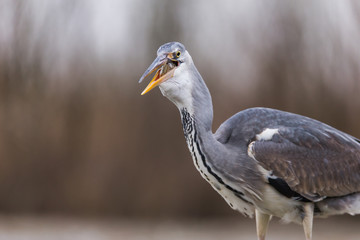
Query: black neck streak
x,y
194,141
188,127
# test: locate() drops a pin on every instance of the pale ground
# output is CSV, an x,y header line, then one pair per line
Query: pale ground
x,y
40,228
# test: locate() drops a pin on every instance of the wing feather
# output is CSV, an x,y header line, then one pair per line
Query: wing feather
x,y
314,163
314,159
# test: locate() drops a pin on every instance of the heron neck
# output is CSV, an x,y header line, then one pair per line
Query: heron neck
x,y
193,98
201,108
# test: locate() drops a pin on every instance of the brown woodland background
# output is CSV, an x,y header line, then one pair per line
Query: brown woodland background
x,y
76,137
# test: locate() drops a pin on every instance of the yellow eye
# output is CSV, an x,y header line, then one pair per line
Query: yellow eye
x,y
178,53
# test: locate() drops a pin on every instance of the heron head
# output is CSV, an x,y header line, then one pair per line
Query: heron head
x,y
171,58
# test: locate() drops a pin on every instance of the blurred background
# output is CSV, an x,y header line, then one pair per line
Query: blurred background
x,y
77,141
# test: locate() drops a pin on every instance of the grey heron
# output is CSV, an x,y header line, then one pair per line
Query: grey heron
x,y
262,161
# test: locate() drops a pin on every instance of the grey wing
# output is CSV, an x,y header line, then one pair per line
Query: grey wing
x,y
315,163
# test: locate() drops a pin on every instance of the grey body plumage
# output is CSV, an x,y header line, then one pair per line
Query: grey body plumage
x,y
262,161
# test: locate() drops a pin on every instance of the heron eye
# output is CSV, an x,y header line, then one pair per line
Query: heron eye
x,y
178,53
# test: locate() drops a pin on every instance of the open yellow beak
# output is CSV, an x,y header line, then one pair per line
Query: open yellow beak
x,y
158,65
157,80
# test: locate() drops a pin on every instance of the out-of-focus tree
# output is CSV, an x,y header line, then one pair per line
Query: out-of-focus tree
x,y
77,138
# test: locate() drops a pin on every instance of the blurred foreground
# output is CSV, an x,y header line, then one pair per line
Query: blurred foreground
x,y
45,228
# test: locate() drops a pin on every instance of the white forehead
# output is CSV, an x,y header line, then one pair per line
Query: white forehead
x,y
171,47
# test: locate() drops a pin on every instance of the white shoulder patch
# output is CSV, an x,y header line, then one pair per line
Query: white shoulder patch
x,y
267,134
